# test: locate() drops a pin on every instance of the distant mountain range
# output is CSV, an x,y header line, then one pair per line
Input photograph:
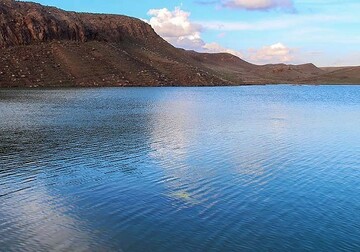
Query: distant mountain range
x,y
47,47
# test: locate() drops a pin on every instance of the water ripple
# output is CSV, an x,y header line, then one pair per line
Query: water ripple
x,y
180,169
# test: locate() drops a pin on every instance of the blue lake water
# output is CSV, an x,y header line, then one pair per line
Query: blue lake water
x,y
262,168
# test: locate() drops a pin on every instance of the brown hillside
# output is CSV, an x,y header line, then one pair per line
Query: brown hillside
x,y
340,76
46,46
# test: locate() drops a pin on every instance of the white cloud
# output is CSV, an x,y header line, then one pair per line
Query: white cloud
x,y
216,48
177,28
276,53
258,4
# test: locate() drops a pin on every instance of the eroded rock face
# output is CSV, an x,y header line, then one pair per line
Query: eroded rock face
x,y
44,46
28,23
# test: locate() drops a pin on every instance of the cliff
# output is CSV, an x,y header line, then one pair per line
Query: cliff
x,y
25,23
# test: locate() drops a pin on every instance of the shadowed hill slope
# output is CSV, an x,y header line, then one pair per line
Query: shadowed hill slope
x,y
46,46
340,75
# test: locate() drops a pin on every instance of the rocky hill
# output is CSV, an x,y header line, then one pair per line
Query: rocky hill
x,y
46,46
25,23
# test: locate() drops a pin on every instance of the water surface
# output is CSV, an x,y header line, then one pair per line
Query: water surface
x,y
263,168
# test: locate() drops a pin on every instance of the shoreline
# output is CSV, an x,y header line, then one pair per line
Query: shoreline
x,y
172,86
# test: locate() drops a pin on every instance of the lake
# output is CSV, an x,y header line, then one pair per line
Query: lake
x,y
260,168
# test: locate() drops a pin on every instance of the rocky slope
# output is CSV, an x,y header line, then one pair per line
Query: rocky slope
x,y
25,23
46,46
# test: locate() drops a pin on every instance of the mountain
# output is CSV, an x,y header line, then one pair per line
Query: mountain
x,y
46,46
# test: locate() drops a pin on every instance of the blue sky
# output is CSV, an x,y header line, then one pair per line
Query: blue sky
x,y
325,32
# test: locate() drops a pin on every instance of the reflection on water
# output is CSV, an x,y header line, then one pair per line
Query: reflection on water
x,y
180,169
34,224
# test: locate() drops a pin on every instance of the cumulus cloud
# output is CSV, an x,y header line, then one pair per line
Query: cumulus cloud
x,y
258,4
276,53
177,28
216,48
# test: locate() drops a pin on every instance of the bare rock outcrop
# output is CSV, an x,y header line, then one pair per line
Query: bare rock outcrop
x,y
23,23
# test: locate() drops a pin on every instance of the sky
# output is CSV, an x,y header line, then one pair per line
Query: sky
x,y
324,32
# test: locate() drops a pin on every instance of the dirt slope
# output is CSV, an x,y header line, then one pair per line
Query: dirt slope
x,y
46,46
